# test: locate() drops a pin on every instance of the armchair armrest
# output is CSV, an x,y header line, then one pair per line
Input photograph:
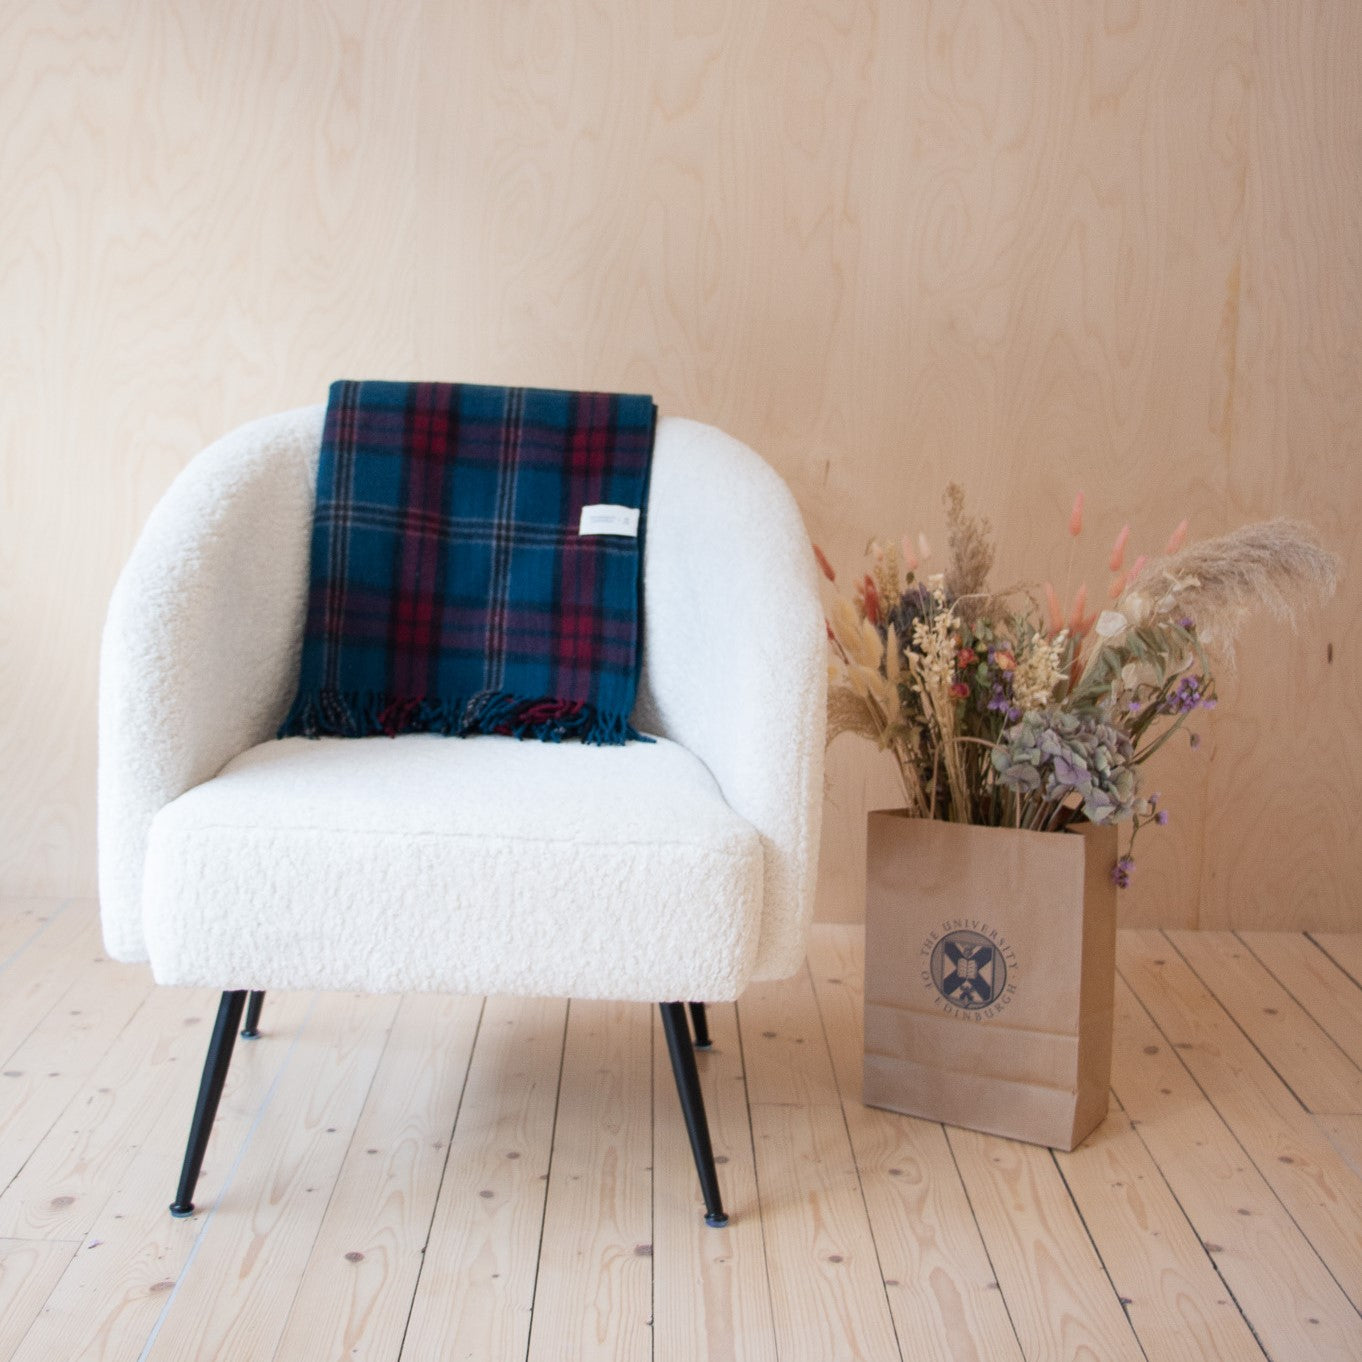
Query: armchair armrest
x,y
200,651
735,665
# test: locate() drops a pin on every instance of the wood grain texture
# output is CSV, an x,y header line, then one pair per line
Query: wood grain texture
x,y
855,1233
29,1269
243,1277
827,1296
945,1299
67,1178
782,1035
1286,829
1317,1187
116,1291
22,922
1176,1302
827,1290
1294,1304
1329,995
711,1289
39,973
593,1295
1031,248
1323,1078
358,1282
1040,1253
1345,1134
43,1074
477,1283
1344,949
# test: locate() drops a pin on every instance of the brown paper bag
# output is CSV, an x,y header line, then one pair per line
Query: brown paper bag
x,y
990,964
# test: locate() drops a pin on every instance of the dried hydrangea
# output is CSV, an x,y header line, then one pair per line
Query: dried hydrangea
x,y
1051,755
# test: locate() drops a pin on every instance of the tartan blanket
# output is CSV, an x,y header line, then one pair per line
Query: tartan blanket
x,y
476,563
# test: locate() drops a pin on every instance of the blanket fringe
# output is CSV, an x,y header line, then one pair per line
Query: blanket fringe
x,y
364,714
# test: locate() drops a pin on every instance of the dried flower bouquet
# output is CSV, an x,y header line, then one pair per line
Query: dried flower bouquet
x,y
1003,712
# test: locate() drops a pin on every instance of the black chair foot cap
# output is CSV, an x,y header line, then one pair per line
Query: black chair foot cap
x,y
181,1212
250,1035
708,1045
716,1221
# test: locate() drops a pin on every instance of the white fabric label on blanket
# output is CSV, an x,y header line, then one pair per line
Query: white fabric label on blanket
x,y
606,519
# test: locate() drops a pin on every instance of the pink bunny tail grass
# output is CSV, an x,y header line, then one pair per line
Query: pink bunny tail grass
x,y
1118,549
1055,616
1080,608
1076,517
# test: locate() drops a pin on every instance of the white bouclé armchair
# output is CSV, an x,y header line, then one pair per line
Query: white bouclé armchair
x,y
676,870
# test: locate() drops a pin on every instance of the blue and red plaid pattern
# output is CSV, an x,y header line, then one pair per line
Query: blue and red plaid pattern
x,y
451,591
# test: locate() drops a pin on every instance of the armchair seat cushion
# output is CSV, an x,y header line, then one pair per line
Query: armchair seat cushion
x,y
473,865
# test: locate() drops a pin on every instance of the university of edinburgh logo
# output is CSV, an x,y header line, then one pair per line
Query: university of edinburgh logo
x,y
968,970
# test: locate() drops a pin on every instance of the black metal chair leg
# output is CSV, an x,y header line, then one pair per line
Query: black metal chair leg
x,y
210,1092
700,1022
251,1031
693,1107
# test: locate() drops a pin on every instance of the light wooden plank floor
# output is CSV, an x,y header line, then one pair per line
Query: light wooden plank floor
x,y
434,1179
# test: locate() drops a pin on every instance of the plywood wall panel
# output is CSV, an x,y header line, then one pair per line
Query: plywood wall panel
x,y
1031,247
1283,822
186,243
1041,321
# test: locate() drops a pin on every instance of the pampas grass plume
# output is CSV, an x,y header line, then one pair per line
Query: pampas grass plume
x,y
1278,564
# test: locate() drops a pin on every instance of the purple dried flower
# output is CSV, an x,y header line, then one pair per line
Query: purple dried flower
x,y
1187,695
1121,872
1161,818
1070,773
